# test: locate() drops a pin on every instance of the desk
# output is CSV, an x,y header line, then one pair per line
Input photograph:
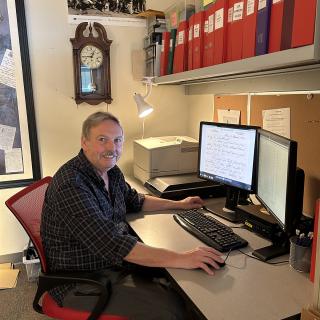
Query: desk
x,y
244,289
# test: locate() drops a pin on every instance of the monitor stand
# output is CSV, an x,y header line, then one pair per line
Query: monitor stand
x,y
273,251
219,210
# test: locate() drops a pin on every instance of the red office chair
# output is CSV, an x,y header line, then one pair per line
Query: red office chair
x,y
26,205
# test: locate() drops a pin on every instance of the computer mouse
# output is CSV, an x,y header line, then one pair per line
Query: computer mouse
x,y
221,264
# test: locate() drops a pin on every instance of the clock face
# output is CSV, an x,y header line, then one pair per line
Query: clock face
x,y
91,56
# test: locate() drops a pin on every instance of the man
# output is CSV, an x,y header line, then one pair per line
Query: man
x,y
84,228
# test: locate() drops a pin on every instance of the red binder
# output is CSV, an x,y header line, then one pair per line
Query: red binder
x,y
230,30
190,43
198,36
180,61
249,28
237,30
314,242
220,31
209,37
205,40
276,18
303,23
164,53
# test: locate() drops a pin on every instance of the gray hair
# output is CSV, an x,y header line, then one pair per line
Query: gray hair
x,y
95,119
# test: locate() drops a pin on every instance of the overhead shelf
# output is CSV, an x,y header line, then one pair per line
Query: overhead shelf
x,y
282,62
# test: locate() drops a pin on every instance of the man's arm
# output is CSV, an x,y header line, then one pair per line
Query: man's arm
x,y
201,257
153,203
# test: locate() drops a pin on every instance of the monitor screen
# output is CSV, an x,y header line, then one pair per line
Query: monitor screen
x,y
227,153
226,156
276,166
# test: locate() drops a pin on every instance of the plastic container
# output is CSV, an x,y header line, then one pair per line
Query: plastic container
x,y
33,267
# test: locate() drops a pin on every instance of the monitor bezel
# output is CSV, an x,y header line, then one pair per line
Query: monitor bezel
x,y
231,126
291,178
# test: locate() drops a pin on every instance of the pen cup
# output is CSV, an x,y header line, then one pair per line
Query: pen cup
x,y
300,256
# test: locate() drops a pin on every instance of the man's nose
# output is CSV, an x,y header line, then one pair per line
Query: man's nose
x,y
110,145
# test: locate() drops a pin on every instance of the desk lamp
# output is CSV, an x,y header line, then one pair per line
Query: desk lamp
x,y
144,108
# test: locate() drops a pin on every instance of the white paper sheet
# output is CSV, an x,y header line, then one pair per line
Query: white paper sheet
x,y
229,116
13,161
7,134
7,70
277,121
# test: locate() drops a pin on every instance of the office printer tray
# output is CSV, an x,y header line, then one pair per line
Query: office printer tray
x,y
184,185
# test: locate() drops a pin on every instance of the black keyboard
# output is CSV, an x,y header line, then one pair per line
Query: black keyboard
x,y
209,230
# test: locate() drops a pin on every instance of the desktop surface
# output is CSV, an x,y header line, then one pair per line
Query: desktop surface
x,y
244,289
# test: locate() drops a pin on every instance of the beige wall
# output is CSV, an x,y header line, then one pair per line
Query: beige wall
x,y
59,119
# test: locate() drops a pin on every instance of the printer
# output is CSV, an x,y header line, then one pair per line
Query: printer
x,y
164,156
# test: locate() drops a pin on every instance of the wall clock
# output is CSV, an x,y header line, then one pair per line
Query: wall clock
x,y
91,64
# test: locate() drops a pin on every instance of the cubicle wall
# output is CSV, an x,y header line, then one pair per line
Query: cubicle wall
x,y
304,128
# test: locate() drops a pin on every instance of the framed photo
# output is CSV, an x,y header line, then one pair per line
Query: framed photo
x,y
19,155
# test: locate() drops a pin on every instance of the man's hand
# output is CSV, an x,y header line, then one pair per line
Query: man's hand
x,y
191,203
205,258
201,257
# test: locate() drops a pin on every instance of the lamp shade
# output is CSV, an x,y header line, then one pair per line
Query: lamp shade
x,y
143,108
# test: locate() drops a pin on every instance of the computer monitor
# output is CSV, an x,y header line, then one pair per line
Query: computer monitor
x,y
279,187
226,155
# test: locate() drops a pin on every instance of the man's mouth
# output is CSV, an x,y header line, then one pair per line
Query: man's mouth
x,y
109,155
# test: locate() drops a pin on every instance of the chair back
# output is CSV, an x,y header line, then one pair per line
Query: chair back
x,y
27,205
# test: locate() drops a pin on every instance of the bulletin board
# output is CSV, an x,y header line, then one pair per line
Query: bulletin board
x,y
235,102
305,129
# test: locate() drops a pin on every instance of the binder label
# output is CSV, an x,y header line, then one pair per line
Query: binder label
x,y
237,11
171,43
218,21
276,1
250,7
190,33
162,45
196,30
206,26
262,4
181,37
211,23
230,14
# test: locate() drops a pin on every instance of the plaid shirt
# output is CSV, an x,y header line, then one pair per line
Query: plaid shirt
x,y
83,225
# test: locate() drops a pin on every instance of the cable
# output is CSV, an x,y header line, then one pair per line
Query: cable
x,y
272,263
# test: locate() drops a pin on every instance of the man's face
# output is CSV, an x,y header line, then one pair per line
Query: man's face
x,y
103,147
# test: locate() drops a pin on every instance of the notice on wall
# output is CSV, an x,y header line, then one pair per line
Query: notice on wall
x,y
277,121
229,116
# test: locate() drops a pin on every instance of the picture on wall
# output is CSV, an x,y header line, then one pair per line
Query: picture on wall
x,y
106,7
19,158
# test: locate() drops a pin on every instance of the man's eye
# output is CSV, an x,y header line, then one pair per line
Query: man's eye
x,y
118,140
102,139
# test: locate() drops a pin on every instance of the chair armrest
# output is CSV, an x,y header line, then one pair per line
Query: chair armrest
x,y
49,281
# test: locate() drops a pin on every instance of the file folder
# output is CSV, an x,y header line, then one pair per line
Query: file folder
x,y
173,35
229,30
303,23
220,31
287,24
237,30
209,37
164,53
249,28
190,43
276,18
198,35
263,22
281,19
180,60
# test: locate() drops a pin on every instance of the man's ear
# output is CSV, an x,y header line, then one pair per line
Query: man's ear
x,y
84,143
